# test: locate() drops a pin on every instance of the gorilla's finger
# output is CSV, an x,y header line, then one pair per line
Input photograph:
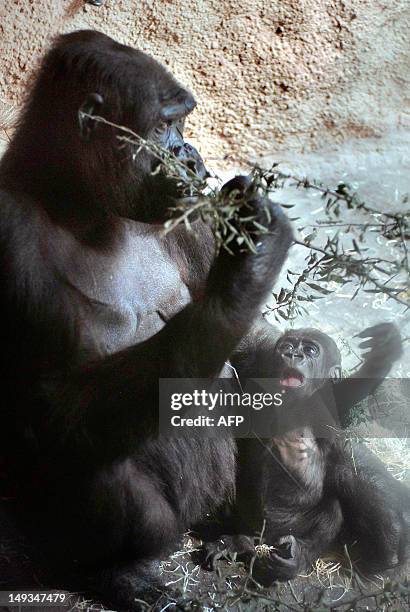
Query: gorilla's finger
x,y
239,183
380,329
366,344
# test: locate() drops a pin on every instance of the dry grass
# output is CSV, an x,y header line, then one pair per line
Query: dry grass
x,y
395,453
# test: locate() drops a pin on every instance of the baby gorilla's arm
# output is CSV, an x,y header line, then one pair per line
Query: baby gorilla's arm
x,y
385,346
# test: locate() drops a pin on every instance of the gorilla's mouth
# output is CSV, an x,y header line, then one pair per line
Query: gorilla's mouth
x,y
292,378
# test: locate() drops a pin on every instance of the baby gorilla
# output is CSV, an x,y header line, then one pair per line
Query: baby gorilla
x,y
306,484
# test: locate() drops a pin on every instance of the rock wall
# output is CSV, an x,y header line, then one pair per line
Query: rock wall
x,y
269,76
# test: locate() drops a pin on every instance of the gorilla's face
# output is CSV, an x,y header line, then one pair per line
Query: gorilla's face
x,y
169,134
303,359
159,108
127,88
163,184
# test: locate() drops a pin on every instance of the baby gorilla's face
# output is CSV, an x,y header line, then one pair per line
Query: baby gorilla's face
x,y
303,359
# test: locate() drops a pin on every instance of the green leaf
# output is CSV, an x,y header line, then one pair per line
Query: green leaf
x,y
319,288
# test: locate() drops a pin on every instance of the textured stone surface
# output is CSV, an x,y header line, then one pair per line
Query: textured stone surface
x,y
268,75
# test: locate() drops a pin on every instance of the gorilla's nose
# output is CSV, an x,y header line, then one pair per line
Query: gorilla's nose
x,y
184,151
294,355
177,150
190,102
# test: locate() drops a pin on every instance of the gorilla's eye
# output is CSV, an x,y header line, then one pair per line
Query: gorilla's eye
x,y
161,128
311,350
286,346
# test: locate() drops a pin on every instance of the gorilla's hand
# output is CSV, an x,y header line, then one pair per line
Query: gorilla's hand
x,y
283,562
242,278
257,215
190,157
236,547
242,184
385,346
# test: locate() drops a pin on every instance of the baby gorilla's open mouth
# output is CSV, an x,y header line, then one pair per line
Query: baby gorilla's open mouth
x,y
292,378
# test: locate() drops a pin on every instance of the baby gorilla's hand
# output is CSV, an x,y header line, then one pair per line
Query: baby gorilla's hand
x,y
282,561
385,346
228,547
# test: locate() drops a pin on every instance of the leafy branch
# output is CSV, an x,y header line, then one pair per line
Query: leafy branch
x,y
197,198
334,263
329,265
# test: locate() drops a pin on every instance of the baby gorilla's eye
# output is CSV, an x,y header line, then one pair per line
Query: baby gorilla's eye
x,y
312,350
286,346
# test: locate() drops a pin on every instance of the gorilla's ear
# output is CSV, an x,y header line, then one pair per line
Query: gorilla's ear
x,y
335,373
90,106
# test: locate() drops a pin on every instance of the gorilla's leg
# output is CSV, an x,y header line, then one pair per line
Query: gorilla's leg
x,y
376,509
284,557
129,525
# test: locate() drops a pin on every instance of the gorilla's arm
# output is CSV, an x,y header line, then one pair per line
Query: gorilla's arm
x,y
253,355
107,400
376,507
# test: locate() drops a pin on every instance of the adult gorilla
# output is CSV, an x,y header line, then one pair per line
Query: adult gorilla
x,y
97,305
